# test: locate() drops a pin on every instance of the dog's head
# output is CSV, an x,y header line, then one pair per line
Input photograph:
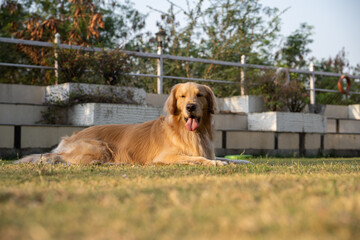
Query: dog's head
x,y
192,103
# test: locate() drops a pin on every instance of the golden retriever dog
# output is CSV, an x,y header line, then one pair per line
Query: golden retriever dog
x,y
183,136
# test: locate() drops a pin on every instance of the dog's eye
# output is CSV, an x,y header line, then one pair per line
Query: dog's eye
x,y
182,96
199,95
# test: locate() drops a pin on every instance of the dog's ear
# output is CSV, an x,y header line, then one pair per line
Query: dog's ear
x,y
170,105
210,97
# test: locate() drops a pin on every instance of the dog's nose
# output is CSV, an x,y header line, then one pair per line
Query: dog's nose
x,y
190,107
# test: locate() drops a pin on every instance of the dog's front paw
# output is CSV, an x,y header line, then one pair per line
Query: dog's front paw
x,y
218,163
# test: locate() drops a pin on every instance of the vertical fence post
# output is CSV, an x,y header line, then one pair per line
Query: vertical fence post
x,y
287,76
160,38
160,70
312,83
57,43
242,82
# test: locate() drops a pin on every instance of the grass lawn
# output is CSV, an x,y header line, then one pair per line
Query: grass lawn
x,y
272,199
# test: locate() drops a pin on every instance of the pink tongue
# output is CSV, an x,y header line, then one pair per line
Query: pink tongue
x,y
192,124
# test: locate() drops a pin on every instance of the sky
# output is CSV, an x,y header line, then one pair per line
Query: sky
x,y
336,23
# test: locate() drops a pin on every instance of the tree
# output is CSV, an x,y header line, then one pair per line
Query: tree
x,y
224,30
80,22
337,64
296,48
11,15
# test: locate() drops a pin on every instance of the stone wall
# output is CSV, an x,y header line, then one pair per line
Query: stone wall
x,y
105,113
287,122
62,92
20,140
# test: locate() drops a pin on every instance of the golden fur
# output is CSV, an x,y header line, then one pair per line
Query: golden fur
x,y
166,140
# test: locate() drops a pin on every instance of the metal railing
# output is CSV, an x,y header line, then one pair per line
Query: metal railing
x,y
243,65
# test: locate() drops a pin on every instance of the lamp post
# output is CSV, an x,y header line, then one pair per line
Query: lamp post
x,y
160,37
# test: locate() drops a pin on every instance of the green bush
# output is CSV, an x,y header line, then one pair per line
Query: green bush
x,y
294,96
281,96
72,64
270,89
111,65
105,67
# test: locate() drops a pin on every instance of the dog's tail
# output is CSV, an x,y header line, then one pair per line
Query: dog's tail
x,y
40,158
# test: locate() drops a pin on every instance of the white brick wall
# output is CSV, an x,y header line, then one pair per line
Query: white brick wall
x,y
18,93
354,111
230,122
105,113
349,126
241,104
287,122
20,113
62,92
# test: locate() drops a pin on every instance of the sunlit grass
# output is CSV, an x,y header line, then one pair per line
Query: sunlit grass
x,y
272,199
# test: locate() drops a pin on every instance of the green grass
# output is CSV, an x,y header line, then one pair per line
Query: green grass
x,y
272,199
